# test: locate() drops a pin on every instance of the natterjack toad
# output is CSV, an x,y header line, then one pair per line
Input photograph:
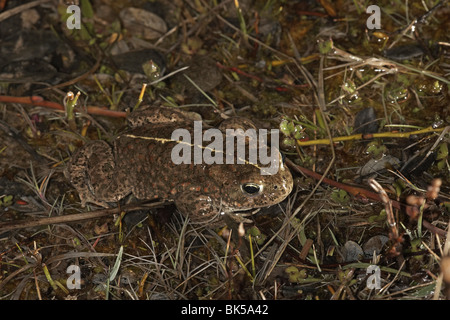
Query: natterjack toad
x,y
141,162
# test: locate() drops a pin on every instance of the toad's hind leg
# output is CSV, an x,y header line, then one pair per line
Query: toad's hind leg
x,y
93,172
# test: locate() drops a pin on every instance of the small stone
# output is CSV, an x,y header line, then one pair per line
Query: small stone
x,y
404,52
352,251
140,22
374,244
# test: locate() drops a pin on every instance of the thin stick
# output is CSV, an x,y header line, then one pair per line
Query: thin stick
x,y
360,192
40,102
77,79
7,14
369,136
388,207
29,223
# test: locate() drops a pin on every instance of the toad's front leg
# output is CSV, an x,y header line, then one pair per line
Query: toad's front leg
x,y
199,208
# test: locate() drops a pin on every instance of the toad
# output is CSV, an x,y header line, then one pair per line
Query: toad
x,y
140,162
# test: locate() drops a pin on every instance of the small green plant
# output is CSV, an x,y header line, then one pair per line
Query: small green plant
x,y
6,200
442,155
256,235
295,275
378,218
340,196
299,275
70,101
291,131
376,148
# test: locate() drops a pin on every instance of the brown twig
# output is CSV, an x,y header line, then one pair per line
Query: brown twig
x,y
2,4
29,223
40,102
79,78
394,235
7,14
362,193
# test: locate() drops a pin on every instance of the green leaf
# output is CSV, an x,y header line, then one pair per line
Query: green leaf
x,y
424,291
349,86
289,141
6,201
442,151
299,132
295,275
287,127
151,70
380,217
340,196
325,46
254,231
86,9
115,269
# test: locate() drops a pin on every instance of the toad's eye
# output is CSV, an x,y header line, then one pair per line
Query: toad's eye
x,y
251,188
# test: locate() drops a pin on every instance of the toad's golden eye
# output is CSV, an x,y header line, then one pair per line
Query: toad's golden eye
x,y
251,188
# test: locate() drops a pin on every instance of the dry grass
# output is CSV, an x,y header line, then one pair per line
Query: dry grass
x,y
299,249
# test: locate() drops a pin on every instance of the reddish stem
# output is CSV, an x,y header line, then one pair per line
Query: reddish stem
x,y
39,101
411,211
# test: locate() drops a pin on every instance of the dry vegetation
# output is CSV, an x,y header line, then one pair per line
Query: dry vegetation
x,y
310,68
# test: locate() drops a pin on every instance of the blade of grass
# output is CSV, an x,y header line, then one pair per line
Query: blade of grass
x,y
201,90
116,266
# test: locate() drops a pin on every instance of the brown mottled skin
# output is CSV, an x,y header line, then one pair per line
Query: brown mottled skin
x,y
140,163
